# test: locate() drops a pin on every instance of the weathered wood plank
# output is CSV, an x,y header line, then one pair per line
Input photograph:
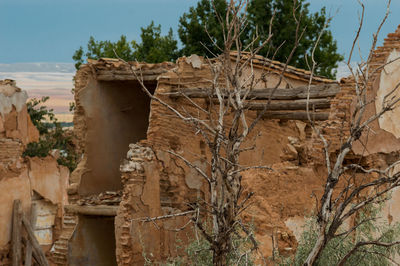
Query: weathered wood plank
x,y
98,210
16,243
315,91
274,105
112,77
145,72
323,103
38,253
299,115
28,254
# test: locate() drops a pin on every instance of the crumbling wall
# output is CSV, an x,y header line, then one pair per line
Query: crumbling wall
x,y
384,77
111,112
21,177
280,198
157,183
283,197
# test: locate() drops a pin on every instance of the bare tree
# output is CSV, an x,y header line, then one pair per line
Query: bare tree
x,y
224,127
344,197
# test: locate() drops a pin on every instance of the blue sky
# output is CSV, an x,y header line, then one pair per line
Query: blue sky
x,y
51,30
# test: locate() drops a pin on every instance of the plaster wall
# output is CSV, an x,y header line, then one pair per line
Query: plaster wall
x,y
10,190
117,114
279,195
21,177
389,80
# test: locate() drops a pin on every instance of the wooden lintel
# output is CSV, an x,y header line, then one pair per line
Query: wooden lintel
x,y
97,210
127,77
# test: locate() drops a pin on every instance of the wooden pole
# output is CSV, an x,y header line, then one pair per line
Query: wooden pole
x,y
279,105
28,254
315,91
38,253
323,103
16,233
296,116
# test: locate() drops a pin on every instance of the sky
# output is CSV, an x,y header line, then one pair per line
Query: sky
x,y
49,31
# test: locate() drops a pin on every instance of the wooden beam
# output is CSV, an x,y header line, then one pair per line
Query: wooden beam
x,y
28,254
144,72
38,253
323,103
296,116
16,233
98,210
118,77
316,91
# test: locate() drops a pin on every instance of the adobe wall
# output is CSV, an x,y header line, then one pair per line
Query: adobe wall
x,y
281,196
111,112
109,115
21,178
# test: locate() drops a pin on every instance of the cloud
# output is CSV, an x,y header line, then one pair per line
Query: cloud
x,y
38,67
56,85
343,70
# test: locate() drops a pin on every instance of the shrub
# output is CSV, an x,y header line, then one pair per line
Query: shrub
x,y
199,252
337,248
52,135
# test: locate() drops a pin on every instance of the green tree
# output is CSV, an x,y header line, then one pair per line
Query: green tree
x,y
259,13
284,28
52,135
154,48
193,24
98,49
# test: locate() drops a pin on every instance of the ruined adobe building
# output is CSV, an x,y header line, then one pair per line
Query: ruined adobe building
x,y
126,173
39,183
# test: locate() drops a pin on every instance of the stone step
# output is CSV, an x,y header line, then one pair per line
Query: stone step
x,y
69,226
60,248
59,261
57,253
70,221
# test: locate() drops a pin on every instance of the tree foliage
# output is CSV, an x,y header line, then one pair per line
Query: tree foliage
x,y
336,249
192,25
208,14
52,135
283,28
259,14
153,48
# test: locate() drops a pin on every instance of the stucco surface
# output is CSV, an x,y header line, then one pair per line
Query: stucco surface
x,y
10,190
48,179
389,80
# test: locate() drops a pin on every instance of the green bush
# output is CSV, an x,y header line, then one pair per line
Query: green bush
x,y
52,135
199,252
338,247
